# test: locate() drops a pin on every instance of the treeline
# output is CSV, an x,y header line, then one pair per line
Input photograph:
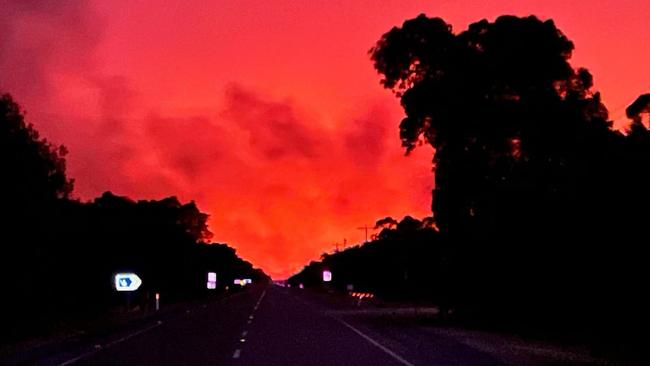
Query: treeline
x,y
395,265
541,206
58,255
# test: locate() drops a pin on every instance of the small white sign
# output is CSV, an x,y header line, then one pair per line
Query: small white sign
x,y
212,277
212,285
327,276
127,282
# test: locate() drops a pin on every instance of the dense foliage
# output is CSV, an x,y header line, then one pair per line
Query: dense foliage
x,y
539,203
58,255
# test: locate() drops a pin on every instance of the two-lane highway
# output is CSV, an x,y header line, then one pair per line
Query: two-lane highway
x,y
201,335
262,326
288,331
270,325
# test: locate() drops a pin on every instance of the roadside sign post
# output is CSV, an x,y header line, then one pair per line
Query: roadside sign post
x,y
327,280
127,283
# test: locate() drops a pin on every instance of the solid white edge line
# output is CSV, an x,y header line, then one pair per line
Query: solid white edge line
x,y
110,344
373,342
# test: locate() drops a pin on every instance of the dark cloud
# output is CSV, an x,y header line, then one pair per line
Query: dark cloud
x,y
116,99
278,184
193,146
273,127
47,54
366,138
40,39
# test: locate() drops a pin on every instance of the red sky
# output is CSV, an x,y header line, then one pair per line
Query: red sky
x,y
267,113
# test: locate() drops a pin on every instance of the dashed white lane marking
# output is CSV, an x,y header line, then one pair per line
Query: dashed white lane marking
x,y
260,299
99,347
374,343
249,321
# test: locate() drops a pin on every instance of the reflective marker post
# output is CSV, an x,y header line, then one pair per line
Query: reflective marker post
x,y
157,301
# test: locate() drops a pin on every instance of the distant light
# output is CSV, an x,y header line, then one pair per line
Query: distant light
x,y
301,286
241,282
157,296
327,276
212,281
248,280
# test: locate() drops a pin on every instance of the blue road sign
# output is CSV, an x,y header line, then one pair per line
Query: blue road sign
x,y
127,282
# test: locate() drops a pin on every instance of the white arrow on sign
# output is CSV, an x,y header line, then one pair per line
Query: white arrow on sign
x,y
127,282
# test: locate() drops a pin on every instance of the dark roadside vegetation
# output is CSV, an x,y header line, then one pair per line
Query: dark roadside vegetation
x,y
58,254
540,206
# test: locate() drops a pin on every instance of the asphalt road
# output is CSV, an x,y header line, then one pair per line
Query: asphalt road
x,y
286,330
265,326
196,334
269,325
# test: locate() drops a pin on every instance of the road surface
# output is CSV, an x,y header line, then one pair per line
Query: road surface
x,y
268,325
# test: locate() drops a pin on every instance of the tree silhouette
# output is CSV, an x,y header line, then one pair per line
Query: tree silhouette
x,y
397,264
34,169
528,171
637,108
495,93
386,223
32,184
58,255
